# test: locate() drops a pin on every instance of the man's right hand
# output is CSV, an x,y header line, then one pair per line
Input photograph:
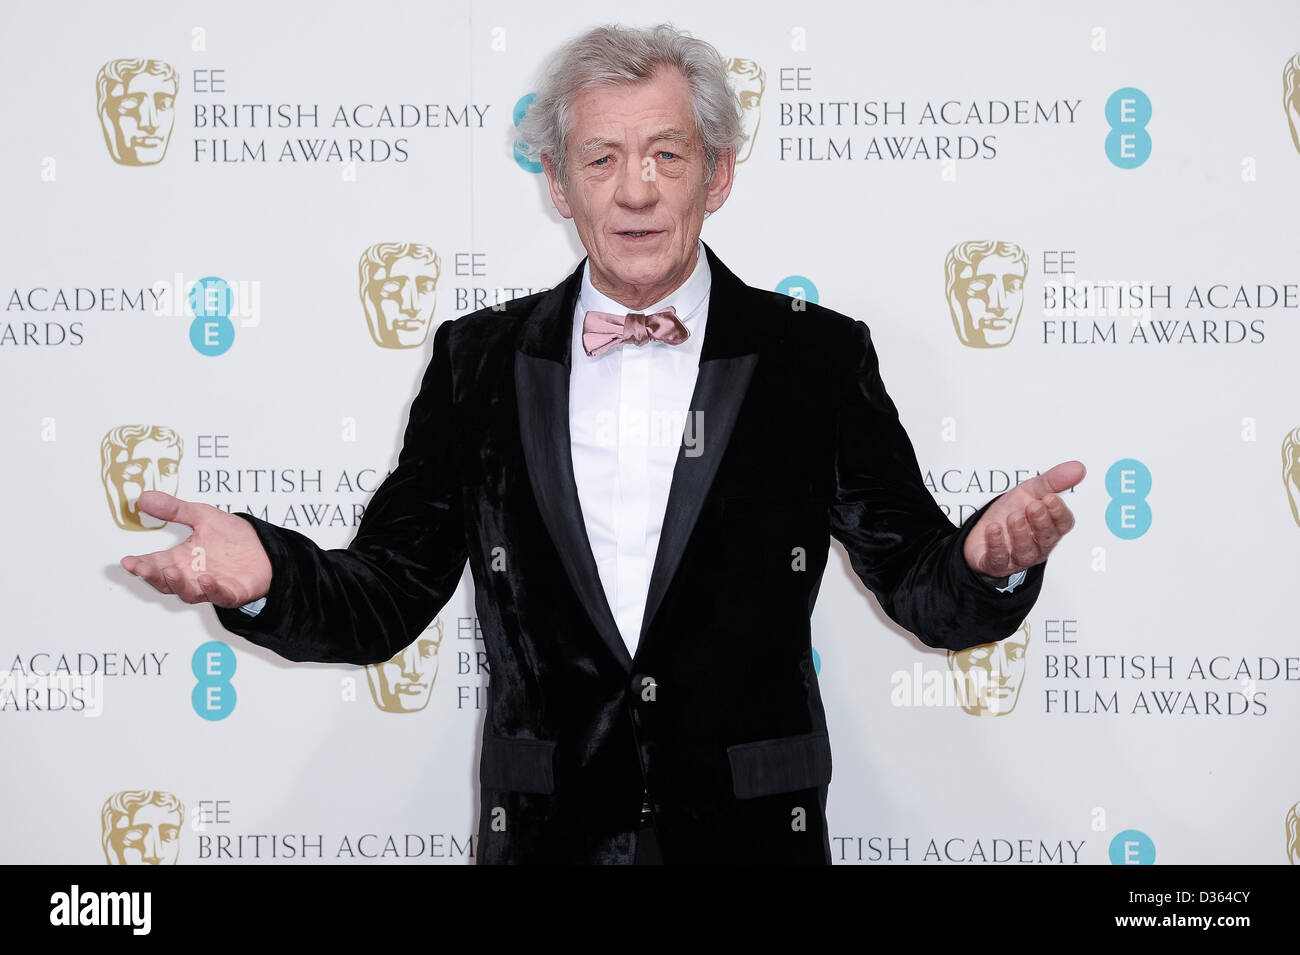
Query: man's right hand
x,y
221,562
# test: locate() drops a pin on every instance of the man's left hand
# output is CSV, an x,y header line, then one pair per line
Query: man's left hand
x,y
1021,527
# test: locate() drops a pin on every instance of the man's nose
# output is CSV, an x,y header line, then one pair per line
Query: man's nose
x,y
638,186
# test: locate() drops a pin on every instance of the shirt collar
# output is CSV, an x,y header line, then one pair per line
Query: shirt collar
x,y
686,299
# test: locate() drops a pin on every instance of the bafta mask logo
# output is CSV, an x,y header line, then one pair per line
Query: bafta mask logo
x,y
399,282
1293,834
404,684
985,285
136,102
989,677
133,459
748,80
142,827
1291,471
1291,97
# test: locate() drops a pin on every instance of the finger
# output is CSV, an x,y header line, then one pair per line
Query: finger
x,y
1060,478
189,590
1044,529
217,593
997,556
1062,518
171,581
168,508
148,568
136,563
1024,553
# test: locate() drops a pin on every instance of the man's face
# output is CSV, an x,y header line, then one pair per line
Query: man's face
x,y
143,116
150,837
401,301
990,676
404,684
987,297
636,190
149,465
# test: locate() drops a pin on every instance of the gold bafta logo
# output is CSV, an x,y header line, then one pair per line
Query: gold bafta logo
x,y
135,458
748,80
985,286
404,683
142,827
1291,471
1293,834
989,676
136,103
1291,97
399,282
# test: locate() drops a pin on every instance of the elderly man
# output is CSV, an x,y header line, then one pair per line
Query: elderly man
x,y
644,604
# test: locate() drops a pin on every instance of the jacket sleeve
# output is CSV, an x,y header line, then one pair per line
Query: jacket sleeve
x,y
898,540
365,602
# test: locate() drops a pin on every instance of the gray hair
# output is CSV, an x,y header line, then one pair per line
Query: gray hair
x,y
613,55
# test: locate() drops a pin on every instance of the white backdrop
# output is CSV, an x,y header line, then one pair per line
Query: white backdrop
x,y
1182,758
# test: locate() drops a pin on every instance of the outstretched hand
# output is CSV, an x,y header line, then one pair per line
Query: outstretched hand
x,y
1021,527
221,562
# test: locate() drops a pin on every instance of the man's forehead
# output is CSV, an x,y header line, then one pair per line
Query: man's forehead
x,y
657,105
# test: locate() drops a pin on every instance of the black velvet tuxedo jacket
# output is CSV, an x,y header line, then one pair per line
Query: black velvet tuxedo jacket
x,y
717,719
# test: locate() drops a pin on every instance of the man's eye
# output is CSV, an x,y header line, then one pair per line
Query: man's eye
x,y
603,160
665,155
163,101
391,287
977,285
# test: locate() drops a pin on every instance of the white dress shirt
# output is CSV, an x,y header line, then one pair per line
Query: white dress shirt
x,y
627,411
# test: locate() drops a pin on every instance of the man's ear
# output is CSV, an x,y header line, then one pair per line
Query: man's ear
x,y
724,174
557,190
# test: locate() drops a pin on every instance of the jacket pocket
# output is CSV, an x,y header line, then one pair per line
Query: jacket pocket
x,y
787,764
517,764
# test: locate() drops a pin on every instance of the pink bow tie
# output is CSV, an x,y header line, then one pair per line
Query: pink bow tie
x,y
602,331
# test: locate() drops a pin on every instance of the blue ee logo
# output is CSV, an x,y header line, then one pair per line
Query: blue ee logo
x,y
796,286
1128,515
214,695
817,661
526,164
212,332
1128,145
1132,847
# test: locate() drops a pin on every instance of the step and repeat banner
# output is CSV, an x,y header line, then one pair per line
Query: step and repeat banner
x,y
231,228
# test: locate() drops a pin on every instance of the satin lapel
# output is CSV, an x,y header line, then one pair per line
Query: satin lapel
x,y
727,361
542,365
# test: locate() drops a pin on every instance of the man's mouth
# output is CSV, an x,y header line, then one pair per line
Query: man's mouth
x,y
638,233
